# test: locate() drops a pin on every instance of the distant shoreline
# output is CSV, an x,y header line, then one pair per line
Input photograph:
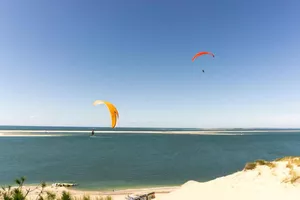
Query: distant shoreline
x,y
47,133
86,128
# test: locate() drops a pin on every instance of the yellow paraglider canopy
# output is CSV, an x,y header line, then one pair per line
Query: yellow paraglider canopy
x,y
114,114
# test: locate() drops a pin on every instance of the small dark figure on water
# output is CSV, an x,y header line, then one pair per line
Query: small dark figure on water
x,y
93,132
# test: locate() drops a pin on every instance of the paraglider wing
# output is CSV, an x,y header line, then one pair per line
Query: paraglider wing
x,y
202,53
114,114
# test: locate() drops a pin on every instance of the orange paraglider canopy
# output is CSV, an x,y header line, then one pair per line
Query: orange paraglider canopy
x,y
114,114
202,53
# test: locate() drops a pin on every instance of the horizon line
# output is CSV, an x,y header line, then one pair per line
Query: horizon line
x,y
67,126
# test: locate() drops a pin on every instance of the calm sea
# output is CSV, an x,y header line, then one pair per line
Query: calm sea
x,y
125,159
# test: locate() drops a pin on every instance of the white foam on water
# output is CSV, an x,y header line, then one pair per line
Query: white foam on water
x,y
29,135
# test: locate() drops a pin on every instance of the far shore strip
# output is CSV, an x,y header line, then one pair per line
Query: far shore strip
x,y
47,133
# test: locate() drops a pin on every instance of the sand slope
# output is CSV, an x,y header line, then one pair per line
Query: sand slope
x,y
262,182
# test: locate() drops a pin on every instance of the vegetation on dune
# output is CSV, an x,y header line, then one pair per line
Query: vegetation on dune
x,y
10,193
86,197
292,162
253,165
89,198
289,165
250,166
19,193
50,196
293,178
295,160
287,158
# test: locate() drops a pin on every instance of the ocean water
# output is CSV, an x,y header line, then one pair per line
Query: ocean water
x,y
127,159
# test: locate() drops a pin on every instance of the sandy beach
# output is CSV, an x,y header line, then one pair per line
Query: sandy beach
x,y
116,195
259,180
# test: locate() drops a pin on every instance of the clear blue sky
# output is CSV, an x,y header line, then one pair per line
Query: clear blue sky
x,y
57,57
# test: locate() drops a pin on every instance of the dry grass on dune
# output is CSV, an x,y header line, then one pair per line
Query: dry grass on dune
x,y
253,165
295,160
292,163
292,160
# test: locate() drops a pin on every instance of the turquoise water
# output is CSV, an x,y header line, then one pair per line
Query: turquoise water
x,y
123,160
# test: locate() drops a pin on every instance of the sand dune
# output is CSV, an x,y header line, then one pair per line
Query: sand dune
x,y
274,180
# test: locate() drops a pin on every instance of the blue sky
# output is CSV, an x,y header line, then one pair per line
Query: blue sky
x,y
57,57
